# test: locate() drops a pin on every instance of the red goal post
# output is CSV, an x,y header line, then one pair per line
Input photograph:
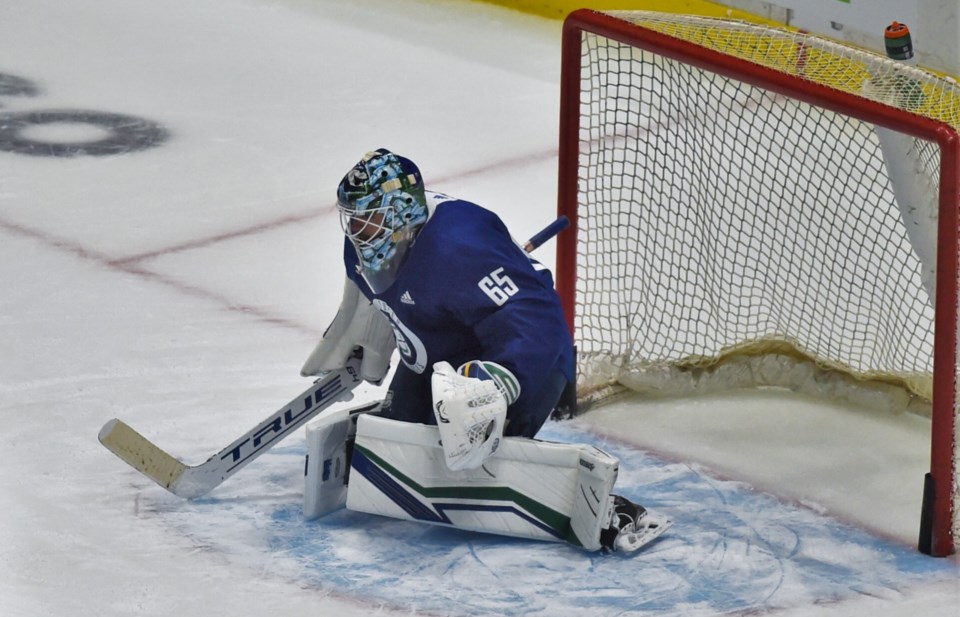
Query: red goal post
x,y
660,118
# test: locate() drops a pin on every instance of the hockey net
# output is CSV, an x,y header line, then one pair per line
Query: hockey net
x,y
760,207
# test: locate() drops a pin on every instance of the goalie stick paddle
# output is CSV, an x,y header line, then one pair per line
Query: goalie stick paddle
x,y
191,481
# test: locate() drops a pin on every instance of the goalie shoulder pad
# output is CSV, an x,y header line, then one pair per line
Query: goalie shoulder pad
x,y
470,413
485,370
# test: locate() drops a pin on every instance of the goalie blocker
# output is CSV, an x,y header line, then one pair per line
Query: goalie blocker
x,y
527,488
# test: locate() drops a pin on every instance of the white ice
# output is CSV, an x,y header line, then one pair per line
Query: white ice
x,y
180,288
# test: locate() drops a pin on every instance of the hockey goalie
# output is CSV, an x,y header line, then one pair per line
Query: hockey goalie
x,y
485,356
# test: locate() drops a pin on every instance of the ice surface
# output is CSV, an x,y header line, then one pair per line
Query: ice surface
x,y
180,287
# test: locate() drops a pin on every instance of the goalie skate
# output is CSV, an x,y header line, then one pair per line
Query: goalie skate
x,y
632,527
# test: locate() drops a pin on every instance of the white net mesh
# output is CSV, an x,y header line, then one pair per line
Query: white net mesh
x,y
733,236
718,218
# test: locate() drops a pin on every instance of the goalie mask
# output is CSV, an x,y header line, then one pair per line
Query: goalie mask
x,y
382,207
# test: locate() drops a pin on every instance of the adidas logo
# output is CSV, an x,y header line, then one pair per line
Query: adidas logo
x,y
406,299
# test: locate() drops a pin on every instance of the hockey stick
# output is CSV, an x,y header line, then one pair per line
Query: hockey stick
x,y
191,481
561,223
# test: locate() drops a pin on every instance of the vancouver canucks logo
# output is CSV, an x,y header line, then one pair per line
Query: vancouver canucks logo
x,y
411,348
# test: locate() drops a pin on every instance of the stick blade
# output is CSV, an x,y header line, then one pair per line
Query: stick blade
x,y
141,454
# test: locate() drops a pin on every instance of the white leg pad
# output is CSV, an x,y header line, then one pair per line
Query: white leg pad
x,y
529,488
593,503
325,489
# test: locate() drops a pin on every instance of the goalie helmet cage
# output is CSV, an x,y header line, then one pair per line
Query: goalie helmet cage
x,y
729,200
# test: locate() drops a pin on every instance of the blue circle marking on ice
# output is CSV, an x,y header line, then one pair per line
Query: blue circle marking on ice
x,y
732,549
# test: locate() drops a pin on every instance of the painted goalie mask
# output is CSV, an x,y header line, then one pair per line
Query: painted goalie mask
x,y
382,207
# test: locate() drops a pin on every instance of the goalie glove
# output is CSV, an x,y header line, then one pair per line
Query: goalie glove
x,y
470,413
358,324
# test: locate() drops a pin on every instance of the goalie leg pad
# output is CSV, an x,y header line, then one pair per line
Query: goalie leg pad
x,y
529,488
328,460
592,502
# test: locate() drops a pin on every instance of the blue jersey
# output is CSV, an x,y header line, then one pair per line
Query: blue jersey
x,y
467,291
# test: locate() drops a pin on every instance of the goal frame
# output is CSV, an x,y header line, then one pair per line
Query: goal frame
x,y
936,533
